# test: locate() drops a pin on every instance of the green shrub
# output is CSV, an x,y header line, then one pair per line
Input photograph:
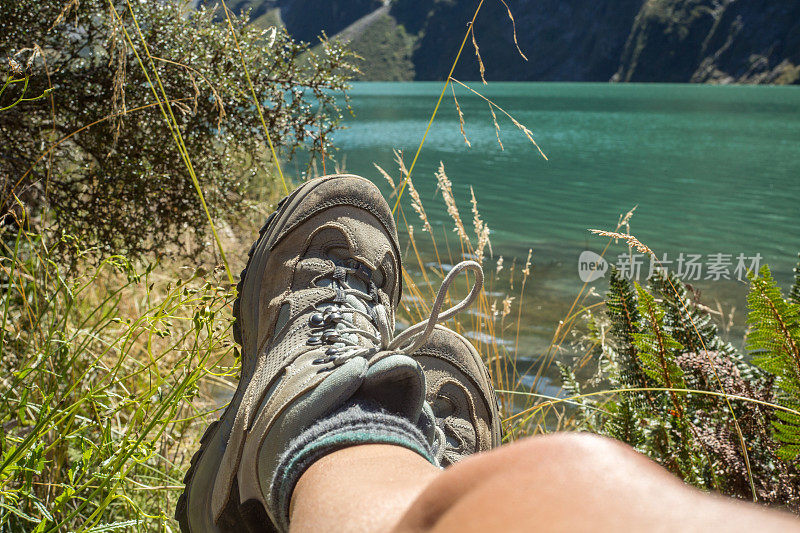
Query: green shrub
x,y
691,401
114,177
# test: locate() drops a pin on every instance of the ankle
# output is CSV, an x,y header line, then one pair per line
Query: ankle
x,y
358,423
361,488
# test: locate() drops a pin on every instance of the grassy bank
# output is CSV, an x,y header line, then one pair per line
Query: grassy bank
x,y
103,367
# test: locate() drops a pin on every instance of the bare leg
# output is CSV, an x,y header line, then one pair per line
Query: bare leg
x,y
359,489
562,482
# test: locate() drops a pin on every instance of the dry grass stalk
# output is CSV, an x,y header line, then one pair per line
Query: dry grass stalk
x,y
416,205
446,187
528,133
460,118
630,239
527,270
441,96
499,266
483,242
624,220
496,128
507,306
398,157
117,56
386,176
416,201
69,6
477,53
481,229
514,29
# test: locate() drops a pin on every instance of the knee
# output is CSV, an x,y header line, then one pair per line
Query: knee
x,y
573,459
569,448
559,459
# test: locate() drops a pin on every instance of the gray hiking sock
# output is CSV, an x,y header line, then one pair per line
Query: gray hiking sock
x,y
356,423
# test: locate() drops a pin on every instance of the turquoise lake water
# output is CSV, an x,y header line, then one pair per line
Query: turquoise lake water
x,y
713,170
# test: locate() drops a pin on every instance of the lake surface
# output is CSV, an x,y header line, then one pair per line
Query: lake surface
x,y
713,170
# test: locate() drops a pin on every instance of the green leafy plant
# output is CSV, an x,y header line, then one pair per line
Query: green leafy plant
x,y
17,75
96,152
775,342
691,401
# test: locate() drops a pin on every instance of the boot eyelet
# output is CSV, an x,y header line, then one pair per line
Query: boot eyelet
x,y
330,336
323,360
313,341
316,320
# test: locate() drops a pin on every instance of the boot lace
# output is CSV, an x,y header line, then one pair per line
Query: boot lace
x,y
333,323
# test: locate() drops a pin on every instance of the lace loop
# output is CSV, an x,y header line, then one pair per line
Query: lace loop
x,y
412,336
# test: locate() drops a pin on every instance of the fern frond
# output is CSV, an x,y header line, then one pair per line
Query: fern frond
x,y
624,422
688,322
794,292
656,348
623,313
775,343
787,432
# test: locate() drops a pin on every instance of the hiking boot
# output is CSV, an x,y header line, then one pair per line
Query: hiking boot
x,y
460,392
314,318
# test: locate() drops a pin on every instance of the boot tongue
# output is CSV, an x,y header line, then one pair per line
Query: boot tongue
x,y
394,381
397,383
356,282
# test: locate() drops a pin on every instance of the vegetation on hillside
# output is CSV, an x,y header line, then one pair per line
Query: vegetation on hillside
x,y
383,47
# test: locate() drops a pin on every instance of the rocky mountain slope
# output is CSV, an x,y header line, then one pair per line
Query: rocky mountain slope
x,y
575,40
719,41
750,41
